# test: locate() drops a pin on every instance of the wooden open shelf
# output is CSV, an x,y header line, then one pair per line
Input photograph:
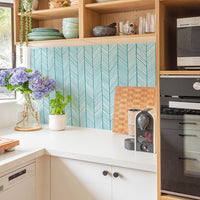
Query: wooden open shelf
x,y
169,197
126,39
179,72
90,14
170,10
123,39
171,3
121,6
56,13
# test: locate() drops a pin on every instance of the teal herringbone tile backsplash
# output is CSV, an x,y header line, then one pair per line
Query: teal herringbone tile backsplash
x,y
90,73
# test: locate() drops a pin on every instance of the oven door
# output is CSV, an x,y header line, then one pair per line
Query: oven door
x,y
180,153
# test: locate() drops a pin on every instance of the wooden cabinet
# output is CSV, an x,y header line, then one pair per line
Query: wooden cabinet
x,y
90,14
76,180
169,11
169,197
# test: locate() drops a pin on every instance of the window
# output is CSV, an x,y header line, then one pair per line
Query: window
x,y
7,48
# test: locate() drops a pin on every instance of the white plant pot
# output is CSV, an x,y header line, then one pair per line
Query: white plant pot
x,y
57,122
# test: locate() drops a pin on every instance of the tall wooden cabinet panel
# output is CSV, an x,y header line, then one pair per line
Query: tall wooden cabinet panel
x,y
167,13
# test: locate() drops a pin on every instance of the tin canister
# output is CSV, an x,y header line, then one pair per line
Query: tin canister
x,y
131,121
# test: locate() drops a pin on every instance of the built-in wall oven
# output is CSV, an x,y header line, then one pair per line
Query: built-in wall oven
x,y
180,135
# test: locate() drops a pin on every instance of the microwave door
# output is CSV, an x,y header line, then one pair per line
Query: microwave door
x,y
188,43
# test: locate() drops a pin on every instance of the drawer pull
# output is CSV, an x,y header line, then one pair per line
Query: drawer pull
x,y
115,174
183,135
185,158
105,173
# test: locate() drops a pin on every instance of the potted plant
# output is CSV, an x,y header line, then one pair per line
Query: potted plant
x,y
57,117
33,86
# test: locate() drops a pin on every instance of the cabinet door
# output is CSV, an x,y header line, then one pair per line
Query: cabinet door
x,y
78,180
134,185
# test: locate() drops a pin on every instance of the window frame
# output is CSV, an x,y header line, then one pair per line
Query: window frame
x,y
10,5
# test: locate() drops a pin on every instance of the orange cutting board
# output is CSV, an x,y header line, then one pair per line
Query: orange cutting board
x,y
131,98
6,143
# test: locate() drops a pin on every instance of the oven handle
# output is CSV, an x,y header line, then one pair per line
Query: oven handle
x,y
185,158
183,135
190,123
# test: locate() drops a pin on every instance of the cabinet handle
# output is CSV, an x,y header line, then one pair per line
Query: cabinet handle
x,y
105,173
183,135
115,174
184,158
189,123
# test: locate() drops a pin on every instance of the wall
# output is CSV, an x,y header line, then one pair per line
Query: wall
x,y
7,113
8,108
89,74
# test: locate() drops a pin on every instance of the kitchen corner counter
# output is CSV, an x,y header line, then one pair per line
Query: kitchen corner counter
x,y
93,145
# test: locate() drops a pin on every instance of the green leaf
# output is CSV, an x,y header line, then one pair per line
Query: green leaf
x,y
59,103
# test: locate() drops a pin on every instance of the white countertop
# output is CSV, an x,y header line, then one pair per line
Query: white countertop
x,y
100,146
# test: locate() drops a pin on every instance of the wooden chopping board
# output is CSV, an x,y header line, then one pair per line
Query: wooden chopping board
x,y
131,98
6,143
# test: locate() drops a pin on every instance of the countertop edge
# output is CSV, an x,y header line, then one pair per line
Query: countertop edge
x,y
103,160
25,157
18,160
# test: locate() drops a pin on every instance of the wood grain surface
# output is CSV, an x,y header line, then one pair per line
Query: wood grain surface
x,y
131,98
6,143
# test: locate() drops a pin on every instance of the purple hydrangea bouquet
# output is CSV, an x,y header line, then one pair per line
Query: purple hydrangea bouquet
x,y
33,86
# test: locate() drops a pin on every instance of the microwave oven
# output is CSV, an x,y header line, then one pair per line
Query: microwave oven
x,y
188,43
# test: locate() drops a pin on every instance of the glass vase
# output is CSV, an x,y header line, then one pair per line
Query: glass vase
x,y
27,114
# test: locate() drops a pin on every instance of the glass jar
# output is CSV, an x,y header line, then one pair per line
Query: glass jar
x,y
27,114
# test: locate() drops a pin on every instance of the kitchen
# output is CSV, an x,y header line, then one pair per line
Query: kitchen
x,y
90,156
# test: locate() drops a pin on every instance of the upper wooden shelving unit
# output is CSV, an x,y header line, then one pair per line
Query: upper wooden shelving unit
x,y
56,13
169,197
121,6
89,14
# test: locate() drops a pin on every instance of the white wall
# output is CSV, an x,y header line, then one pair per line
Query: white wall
x,y
8,107
7,113
6,1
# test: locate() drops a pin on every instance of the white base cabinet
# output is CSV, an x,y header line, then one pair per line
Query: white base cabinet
x,y
80,180
134,185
